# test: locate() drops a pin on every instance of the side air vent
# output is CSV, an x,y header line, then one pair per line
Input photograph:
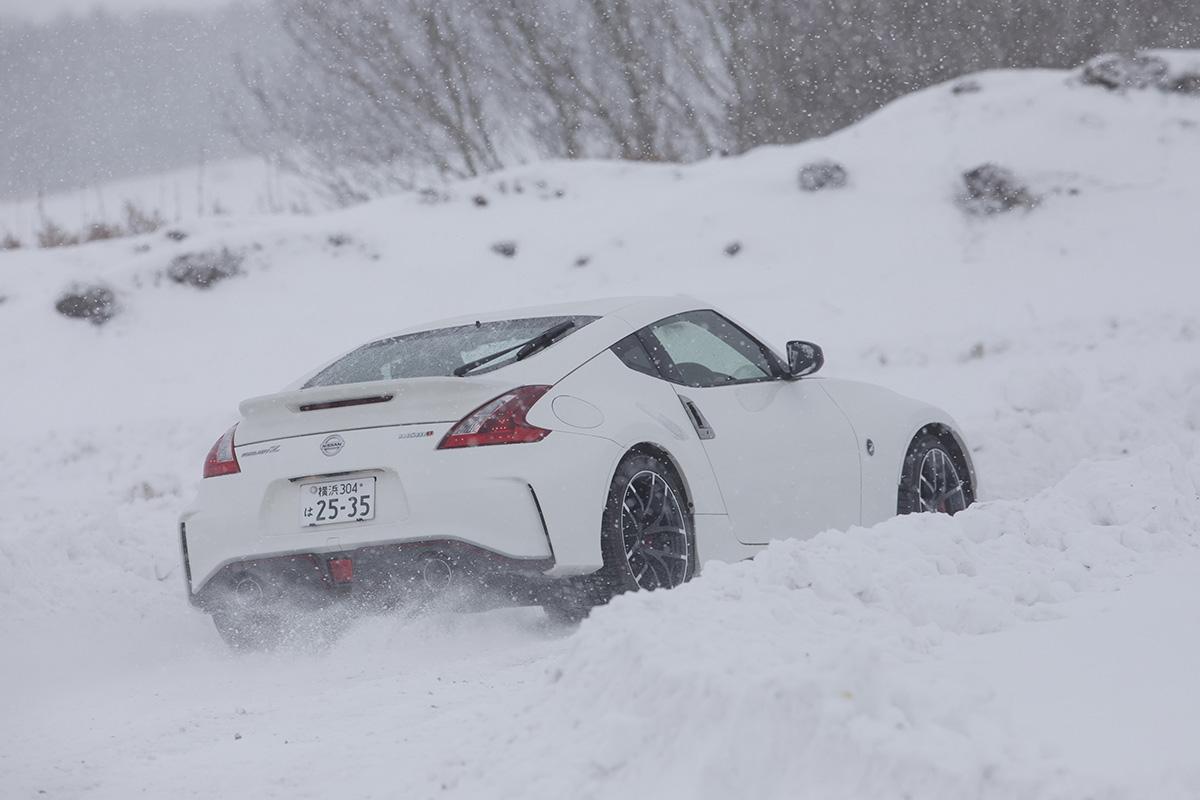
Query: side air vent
x,y
354,401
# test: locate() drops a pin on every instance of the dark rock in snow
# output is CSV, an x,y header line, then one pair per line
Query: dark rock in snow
x,y
583,261
338,239
966,86
94,302
205,268
1115,71
991,189
824,174
176,235
733,248
480,201
1184,83
507,248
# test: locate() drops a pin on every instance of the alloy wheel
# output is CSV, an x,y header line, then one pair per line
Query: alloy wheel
x,y
654,532
940,487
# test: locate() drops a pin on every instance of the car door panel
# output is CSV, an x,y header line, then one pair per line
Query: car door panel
x,y
784,455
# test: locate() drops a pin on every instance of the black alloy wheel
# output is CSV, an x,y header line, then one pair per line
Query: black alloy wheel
x,y
934,479
647,538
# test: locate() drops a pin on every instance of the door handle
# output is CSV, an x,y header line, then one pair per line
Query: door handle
x,y
703,429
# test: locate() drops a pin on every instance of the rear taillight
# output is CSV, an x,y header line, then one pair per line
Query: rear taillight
x,y
221,459
499,421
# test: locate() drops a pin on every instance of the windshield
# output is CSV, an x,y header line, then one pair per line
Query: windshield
x,y
439,352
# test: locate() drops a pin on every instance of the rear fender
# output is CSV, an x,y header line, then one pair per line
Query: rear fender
x,y
607,399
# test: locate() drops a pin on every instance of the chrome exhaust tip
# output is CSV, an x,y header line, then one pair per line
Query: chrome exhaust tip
x,y
436,572
247,591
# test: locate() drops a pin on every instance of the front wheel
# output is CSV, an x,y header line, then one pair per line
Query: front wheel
x,y
934,479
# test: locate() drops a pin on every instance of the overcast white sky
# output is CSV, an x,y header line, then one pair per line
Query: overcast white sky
x,y
41,10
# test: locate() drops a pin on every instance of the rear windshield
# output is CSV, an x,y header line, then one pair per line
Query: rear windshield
x,y
437,353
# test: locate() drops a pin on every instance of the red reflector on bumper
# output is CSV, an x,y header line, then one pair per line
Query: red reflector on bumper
x,y
341,570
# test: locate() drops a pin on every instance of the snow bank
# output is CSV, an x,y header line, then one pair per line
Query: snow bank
x,y
813,671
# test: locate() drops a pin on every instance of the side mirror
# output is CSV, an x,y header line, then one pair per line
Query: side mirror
x,y
804,358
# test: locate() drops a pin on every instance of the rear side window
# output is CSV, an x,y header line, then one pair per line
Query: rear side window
x,y
634,355
437,353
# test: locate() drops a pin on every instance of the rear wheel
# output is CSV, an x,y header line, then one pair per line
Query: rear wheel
x,y
934,478
647,538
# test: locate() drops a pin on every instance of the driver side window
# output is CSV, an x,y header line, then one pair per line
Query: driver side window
x,y
702,349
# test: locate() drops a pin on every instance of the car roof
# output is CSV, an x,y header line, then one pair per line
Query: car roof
x,y
618,317
637,311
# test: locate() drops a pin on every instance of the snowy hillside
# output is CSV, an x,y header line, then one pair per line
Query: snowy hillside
x,y
231,187
1042,644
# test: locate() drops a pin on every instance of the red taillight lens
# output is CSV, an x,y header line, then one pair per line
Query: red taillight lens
x,y
499,421
221,459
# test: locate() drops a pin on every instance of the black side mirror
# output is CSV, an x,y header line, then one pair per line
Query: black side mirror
x,y
804,358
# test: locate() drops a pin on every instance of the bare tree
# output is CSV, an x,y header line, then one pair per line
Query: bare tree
x,y
384,93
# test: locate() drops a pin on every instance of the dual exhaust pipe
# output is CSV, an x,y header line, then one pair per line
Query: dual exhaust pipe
x,y
432,574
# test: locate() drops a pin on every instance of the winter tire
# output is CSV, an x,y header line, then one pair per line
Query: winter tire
x,y
934,478
647,538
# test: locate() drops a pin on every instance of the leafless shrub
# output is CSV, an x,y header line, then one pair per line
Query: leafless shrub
x,y
1115,71
506,248
432,197
51,234
101,231
204,269
1184,83
991,189
824,174
10,242
138,221
93,302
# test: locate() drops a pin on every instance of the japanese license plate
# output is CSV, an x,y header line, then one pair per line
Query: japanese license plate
x,y
329,502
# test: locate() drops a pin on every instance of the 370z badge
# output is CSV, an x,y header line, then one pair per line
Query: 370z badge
x,y
332,445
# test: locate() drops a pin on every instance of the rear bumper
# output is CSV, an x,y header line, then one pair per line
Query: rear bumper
x,y
528,508
377,574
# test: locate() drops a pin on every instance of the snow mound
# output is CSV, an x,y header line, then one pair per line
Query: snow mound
x,y
812,671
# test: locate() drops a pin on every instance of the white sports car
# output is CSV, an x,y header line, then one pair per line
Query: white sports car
x,y
553,456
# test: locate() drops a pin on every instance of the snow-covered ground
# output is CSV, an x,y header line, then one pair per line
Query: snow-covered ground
x,y
1041,645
